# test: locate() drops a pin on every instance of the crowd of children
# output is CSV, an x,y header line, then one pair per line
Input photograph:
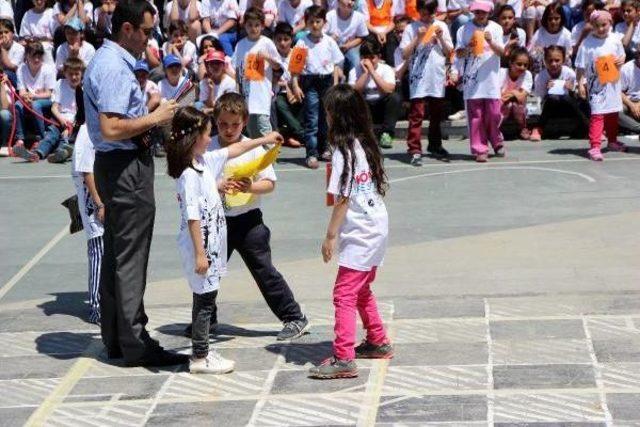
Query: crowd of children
x,y
481,60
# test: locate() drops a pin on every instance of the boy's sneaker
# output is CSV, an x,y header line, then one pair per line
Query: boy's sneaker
x,y
617,146
19,150
58,156
293,329
535,136
596,155
386,141
367,350
312,162
334,368
460,115
212,364
500,151
416,159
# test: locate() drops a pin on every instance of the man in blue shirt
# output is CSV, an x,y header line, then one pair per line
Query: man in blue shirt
x,y
118,121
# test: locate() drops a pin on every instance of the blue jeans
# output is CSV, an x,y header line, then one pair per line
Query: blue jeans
x,y
228,41
5,126
51,141
457,23
315,124
351,60
40,106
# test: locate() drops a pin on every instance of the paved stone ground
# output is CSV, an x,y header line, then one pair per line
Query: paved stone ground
x,y
510,291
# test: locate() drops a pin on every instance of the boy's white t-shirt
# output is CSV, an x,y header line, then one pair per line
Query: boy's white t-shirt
x,y
183,14
199,200
189,51
227,84
86,54
266,174
525,81
346,29
542,38
37,24
169,91
44,79
322,56
606,98
6,10
630,78
257,93
219,11
363,236
480,74
371,90
522,37
16,53
427,72
542,79
82,162
65,96
292,15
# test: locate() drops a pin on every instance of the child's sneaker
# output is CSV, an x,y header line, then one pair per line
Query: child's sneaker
x,y
416,159
482,158
212,364
386,141
617,146
596,155
535,136
312,162
293,329
58,156
366,350
334,368
19,150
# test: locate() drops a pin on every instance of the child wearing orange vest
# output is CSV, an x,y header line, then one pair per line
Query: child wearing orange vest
x,y
379,16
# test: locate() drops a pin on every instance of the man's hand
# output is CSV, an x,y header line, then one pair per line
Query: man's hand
x,y
165,112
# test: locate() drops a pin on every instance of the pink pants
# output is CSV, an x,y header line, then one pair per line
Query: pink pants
x,y
603,122
517,111
353,290
484,118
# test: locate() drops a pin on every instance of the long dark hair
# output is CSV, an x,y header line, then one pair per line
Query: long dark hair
x,y
187,124
351,120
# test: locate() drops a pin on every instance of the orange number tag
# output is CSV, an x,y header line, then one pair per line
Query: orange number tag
x,y
298,59
607,70
477,43
254,68
429,34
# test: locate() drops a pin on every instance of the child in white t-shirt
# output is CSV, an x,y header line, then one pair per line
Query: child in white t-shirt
x,y
75,46
552,32
176,78
150,89
56,145
629,29
187,11
11,52
38,25
181,47
479,49
219,18
254,59
202,239
517,83
322,70
599,58
268,7
512,35
216,82
427,74
293,13
347,27
91,213
630,77
359,227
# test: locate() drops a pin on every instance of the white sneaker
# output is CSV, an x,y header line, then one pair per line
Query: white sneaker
x,y
212,364
460,115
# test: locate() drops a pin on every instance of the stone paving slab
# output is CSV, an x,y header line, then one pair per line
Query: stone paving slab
x,y
506,362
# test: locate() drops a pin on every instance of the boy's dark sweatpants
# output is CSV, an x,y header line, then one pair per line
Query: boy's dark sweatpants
x,y
248,235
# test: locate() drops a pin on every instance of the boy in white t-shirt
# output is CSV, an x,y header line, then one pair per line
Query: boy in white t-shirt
x,y
56,145
377,83
322,70
38,25
219,18
216,82
181,47
254,60
75,46
175,80
293,13
630,77
150,89
187,11
11,52
348,27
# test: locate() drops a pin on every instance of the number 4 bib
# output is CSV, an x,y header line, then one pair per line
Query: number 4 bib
x,y
607,70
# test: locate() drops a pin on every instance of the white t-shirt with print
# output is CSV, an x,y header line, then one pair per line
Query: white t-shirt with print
x,y
183,14
86,53
606,98
322,56
65,96
199,200
542,79
480,74
371,90
45,78
363,236
82,162
257,93
266,174
427,63
227,84
219,11
525,81
630,78
346,29
292,15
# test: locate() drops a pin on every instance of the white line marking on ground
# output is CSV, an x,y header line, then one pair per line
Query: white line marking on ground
x,y
33,261
266,388
597,369
491,397
424,175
